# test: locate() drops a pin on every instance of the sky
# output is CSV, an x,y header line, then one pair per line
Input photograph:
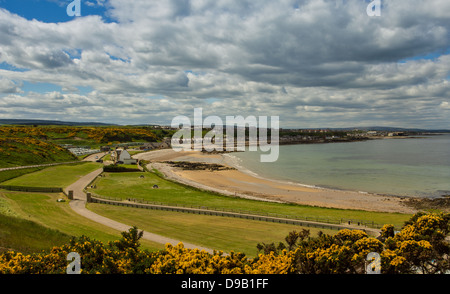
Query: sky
x,y
312,63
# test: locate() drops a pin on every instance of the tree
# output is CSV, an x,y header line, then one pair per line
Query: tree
x,y
129,240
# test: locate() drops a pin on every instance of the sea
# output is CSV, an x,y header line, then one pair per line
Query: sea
x,y
414,167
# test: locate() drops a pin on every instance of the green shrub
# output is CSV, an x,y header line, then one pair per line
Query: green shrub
x,y
118,169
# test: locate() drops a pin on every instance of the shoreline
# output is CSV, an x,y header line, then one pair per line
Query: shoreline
x,y
244,170
240,182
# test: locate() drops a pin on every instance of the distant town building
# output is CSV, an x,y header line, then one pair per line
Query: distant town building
x,y
165,144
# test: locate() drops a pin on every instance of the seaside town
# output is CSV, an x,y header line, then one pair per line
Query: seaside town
x,y
286,136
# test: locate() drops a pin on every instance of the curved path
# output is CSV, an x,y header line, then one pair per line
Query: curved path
x,y
78,204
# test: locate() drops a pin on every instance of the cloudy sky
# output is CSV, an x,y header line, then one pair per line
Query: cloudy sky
x,y
313,63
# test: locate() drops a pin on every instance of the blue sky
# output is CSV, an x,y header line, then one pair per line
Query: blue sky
x,y
313,63
50,11
10,67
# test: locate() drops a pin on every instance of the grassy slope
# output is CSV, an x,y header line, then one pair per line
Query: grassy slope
x,y
22,152
31,222
27,145
38,216
11,174
56,176
122,185
26,236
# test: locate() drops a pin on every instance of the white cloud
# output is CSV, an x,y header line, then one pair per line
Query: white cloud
x,y
8,86
308,61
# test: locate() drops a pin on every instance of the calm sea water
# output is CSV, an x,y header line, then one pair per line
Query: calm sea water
x,y
404,167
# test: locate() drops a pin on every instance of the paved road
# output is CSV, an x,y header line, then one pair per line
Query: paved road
x,y
79,206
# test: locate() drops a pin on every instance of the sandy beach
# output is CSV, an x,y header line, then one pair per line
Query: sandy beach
x,y
241,183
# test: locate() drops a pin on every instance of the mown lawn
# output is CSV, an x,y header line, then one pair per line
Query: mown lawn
x,y
56,176
11,174
131,185
215,232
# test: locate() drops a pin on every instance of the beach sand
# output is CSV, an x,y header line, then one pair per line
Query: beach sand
x,y
243,184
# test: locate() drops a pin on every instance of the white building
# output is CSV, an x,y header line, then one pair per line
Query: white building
x,y
122,155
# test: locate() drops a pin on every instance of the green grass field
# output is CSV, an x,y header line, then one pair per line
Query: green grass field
x,y
56,176
215,232
32,145
126,185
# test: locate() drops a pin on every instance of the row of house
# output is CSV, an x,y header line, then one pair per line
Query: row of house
x,y
165,144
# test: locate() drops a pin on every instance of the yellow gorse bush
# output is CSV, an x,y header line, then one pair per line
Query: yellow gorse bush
x,y
179,260
273,264
409,251
98,134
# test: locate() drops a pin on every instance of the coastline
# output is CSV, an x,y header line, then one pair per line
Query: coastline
x,y
240,182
